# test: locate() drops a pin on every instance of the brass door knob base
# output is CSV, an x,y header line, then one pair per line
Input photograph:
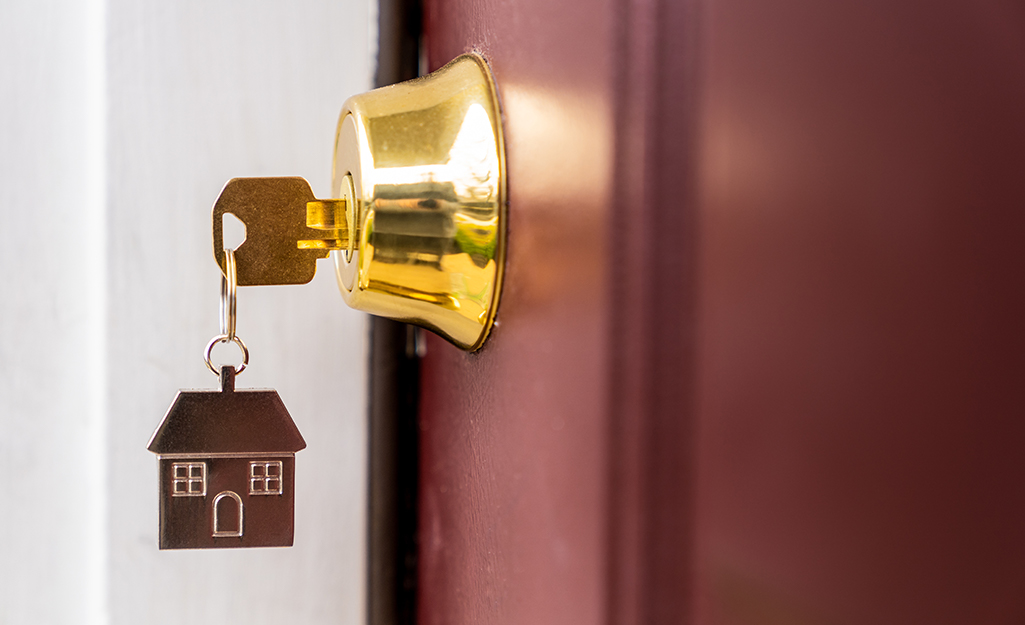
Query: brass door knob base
x,y
420,166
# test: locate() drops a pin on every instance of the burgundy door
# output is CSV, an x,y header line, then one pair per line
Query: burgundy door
x,y
760,356
555,463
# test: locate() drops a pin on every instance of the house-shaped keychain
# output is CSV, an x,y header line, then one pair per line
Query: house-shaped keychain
x,y
227,469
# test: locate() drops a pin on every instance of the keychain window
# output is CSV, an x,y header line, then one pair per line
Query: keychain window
x,y
188,479
265,478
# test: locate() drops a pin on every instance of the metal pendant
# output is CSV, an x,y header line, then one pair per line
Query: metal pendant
x,y
227,468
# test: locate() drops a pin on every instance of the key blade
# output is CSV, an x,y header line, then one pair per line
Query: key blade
x,y
274,212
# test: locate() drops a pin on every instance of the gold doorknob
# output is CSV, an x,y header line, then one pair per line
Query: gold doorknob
x,y
420,168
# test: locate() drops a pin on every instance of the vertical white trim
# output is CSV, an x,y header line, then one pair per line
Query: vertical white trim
x,y
94,241
373,39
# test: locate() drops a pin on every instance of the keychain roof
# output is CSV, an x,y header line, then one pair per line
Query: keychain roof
x,y
226,421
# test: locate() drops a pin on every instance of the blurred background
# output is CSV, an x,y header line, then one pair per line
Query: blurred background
x,y
120,121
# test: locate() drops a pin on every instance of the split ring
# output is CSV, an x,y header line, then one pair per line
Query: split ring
x,y
229,284
224,338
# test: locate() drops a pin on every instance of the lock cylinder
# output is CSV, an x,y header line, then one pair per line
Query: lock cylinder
x,y
418,226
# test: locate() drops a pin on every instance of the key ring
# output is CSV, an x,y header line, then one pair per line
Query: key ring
x,y
229,284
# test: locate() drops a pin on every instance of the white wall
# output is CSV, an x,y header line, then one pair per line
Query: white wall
x,y
119,123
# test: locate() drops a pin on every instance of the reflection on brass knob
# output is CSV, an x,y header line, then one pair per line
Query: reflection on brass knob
x,y
419,171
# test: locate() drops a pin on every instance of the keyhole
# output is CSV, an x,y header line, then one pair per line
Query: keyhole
x,y
233,231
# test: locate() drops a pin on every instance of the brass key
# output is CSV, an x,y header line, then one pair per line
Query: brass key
x,y
280,248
